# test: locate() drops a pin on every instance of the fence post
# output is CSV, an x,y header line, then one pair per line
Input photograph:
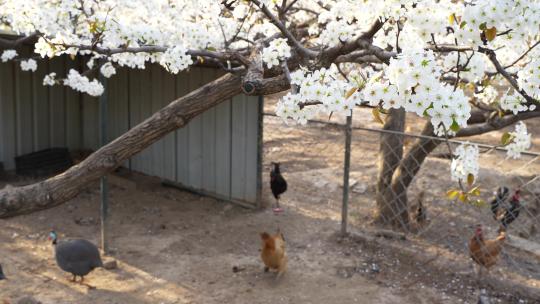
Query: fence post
x,y
346,171
103,181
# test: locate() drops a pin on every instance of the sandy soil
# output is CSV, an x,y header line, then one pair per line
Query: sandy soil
x,y
177,247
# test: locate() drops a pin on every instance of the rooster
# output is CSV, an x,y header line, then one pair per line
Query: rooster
x,y
273,252
485,253
277,184
500,198
511,212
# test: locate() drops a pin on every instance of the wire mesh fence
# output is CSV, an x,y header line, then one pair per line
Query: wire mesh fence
x,y
416,193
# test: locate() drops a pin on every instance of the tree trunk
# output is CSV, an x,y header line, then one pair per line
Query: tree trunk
x,y
409,167
59,189
390,155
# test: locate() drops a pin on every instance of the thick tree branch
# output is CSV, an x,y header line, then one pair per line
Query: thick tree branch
x,y
496,124
16,43
59,189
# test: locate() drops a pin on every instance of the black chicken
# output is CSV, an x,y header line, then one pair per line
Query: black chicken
x,y
500,198
511,212
277,184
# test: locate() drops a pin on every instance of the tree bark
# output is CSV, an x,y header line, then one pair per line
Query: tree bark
x,y
390,155
59,189
408,168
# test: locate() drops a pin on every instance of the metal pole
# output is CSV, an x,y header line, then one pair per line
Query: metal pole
x,y
346,171
103,182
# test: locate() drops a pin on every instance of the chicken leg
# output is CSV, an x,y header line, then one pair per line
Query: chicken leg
x,y
277,209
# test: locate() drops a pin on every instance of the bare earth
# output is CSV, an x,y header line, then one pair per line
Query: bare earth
x,y
177,247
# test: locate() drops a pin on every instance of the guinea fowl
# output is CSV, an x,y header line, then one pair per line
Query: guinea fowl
x,y
500,198
277,184
78,257
2,276
511,212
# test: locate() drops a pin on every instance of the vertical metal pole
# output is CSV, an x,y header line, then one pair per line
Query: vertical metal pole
x,y
260,150
103,182
346,171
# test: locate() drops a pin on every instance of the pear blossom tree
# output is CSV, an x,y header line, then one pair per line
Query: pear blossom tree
x,y
439,59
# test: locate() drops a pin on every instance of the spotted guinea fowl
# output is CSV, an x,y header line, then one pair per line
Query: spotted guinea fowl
x,y
277,184
2,276
78,257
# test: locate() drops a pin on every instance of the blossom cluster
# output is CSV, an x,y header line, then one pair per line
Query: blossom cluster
x,y
521,141
8,55
82,84
529,78
175,59
465,162
412,81
107,70
49,79
323,87
276,51
512,101
29,65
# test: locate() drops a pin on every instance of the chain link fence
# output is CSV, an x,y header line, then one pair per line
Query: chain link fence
x,y
313,161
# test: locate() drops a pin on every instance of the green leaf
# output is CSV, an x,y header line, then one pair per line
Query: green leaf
x,y
506,138
483,26
377,115
452,19
470,179
475,191
454,127
350,92
451,194
490,33
462,25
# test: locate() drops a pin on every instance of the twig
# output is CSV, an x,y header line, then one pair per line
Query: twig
x,y
493,58
523,55
301,49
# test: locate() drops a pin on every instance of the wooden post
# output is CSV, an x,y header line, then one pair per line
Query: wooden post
x,y
346,171
103,182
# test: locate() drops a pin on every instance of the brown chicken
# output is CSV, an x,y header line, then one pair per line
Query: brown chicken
x,y
273,252
485,253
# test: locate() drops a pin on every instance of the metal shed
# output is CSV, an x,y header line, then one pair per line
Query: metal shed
x,y
218,153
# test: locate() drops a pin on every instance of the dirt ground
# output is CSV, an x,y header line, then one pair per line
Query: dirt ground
x,y
177,247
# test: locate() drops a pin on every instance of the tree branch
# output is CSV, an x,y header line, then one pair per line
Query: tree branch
x,y
500,69
297,45
496,124
13,44
59,189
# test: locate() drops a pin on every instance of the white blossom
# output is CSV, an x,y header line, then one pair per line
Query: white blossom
x,y
107,70
521,141
465,162
278,50
49,79
176,59
29,65
8,55
82,84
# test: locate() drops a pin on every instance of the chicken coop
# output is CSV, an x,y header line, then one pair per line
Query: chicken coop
x,y
217,154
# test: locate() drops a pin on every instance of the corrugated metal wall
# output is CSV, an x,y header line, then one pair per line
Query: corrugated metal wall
x,y
216,153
